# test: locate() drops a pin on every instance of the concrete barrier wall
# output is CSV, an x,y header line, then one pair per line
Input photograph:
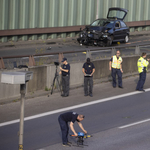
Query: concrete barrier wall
x,y
101,68
76,74
51,69
130,64
39,79
43,76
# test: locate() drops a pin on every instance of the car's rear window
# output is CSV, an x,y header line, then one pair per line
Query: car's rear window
x,y
116,14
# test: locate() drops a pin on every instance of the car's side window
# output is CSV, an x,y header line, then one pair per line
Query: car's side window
x,y
117,25
123,24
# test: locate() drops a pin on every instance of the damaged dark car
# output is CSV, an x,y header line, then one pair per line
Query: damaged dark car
x,y
103,32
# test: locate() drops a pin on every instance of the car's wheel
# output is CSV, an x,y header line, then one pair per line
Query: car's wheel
x,y
109,42
126,39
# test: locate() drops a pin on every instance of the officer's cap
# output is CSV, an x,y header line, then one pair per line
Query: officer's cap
x,y
88,60
64,59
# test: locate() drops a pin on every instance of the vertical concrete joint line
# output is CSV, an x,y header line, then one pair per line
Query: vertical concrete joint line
x,y
33,60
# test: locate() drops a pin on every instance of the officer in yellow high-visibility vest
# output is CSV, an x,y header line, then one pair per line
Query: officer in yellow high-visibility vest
x,y
115,66
142,64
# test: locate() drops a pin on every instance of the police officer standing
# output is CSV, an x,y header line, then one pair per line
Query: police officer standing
x,y
65,71
88,69
63,122
115,66
142,64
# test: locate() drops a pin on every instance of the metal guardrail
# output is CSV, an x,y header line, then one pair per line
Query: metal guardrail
x,y
32,61
13,32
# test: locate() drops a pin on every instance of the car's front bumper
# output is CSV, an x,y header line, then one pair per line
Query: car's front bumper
x,y
93,38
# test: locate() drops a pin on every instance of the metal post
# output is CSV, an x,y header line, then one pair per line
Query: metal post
x,y
22,91
113,51
137,50
88,54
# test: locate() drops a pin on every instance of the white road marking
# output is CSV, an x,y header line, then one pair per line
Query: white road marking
x,y
73,107
133,124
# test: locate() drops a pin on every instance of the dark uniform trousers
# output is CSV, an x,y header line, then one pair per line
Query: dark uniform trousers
x,y
86,81
119,74
142,78
65,84
64,129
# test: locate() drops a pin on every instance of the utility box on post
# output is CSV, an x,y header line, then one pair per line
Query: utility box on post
x,y
20,77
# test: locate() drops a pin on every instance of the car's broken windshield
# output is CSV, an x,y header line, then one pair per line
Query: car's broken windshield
x,y
97,23
109,24
102,23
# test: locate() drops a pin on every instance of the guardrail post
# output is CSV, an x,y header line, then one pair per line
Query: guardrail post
x,y
137,50
15,64
113,51
61,56
31,61
2,66
88,54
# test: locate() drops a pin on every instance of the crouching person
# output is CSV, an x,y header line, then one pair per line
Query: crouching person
x,y
64,119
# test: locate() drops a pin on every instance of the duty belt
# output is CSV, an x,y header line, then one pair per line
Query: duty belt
x,y
65,75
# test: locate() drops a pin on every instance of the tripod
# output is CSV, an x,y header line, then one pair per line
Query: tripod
x,y
55,78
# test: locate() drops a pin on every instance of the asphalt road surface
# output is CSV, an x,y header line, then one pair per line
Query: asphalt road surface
x,y
109,120
63,46
71,45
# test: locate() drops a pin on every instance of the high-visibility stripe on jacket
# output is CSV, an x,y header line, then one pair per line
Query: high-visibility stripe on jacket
x,y
141,64
116,62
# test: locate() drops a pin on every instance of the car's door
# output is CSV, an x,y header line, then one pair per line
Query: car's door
x,y
117,31
124,29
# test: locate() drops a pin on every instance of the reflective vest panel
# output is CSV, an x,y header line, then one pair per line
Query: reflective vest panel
x,y
116,62
141,64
